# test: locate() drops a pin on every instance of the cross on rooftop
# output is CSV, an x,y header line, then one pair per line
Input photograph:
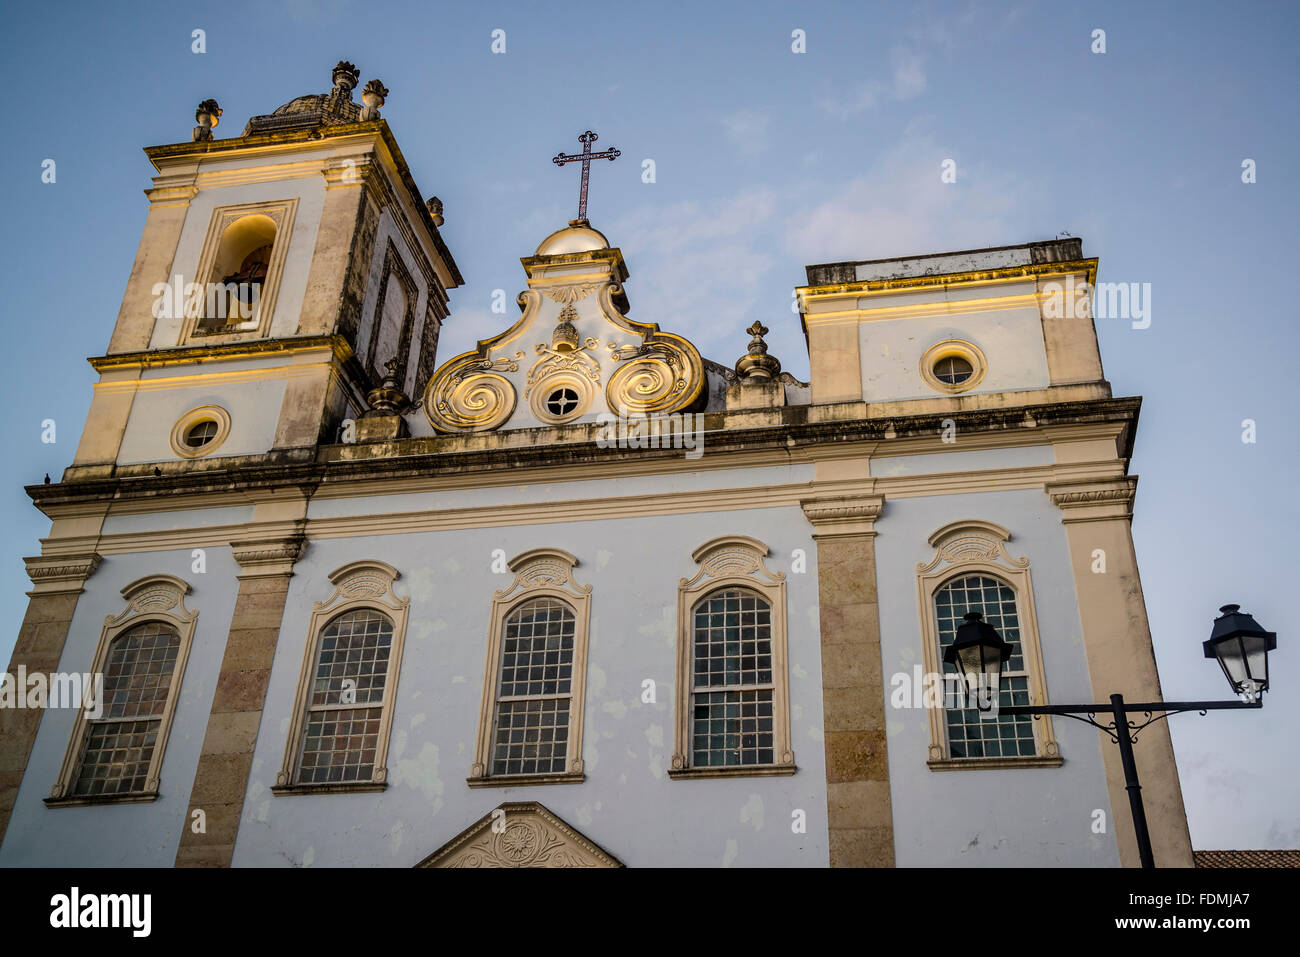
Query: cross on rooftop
x,y
585,158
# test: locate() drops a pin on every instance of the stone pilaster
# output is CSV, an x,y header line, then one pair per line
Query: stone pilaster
x,y
1117,638
226,759
57,582
859,815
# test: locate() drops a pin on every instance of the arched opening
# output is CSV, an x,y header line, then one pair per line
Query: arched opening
x,y
234,285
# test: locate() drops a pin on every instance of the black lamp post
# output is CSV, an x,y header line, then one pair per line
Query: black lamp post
x,y
1237,641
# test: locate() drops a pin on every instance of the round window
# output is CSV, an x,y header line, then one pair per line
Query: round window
x,y
953,370
561,402
201,433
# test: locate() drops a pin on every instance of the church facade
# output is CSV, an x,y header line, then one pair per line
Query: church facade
x,y
581,596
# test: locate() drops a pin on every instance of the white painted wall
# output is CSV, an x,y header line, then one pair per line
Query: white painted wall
x,y
310,192
627,803
1011,339
125,835
1031,817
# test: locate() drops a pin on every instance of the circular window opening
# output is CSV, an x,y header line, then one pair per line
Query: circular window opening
x,y
953,370
561,402
200,434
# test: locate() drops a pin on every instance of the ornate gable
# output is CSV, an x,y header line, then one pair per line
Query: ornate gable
x,y
523,834
571,355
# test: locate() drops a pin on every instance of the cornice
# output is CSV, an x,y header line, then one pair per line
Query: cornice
x,y
60,574
842,516
1094,501
966,277
413,464
268,557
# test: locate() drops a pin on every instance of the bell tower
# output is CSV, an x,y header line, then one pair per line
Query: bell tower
x,y
283,275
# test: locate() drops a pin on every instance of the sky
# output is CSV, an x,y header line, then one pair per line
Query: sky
x,y
765,160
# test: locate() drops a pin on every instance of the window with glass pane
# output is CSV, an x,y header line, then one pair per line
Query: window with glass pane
x,y
347,699
731,681
119,746
968,735
534,689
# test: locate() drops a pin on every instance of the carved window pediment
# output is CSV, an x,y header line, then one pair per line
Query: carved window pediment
x,y
522,834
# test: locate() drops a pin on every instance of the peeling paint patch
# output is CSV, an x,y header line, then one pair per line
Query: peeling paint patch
x,y
815,732
615,708
731,853
797,712
585,816
596,680
602,558
309,857
421,772
458,679
418,719
655,735
751,812
799,671
664,626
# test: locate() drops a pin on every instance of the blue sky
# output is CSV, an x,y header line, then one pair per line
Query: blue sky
x,y
765,161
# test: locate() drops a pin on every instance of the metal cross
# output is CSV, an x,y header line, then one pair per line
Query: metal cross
x,y
585,157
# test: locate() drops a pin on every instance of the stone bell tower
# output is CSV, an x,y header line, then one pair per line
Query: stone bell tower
x,y
281,273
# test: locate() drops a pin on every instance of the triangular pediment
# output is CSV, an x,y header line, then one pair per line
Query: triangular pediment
x,y
522,834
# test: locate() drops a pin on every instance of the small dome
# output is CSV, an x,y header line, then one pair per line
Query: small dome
x,y
577,237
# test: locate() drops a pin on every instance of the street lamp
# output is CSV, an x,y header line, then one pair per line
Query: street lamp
x,y
1242,648
978,654
1237,641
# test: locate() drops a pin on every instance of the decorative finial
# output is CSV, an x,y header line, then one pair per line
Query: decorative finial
x,y
564,338
207,116
346,76
388,398
434,205
373,95
756,364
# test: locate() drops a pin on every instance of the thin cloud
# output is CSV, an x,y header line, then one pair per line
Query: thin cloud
x,y
747,129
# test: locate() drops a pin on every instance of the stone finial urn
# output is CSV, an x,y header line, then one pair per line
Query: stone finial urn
x,y
756,364
373,96
208,115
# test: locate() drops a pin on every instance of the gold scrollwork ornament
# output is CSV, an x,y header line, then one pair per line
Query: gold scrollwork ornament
x,y
468,398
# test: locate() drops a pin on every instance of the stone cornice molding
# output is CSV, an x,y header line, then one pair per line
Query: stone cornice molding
x,y
847,515
268,558
1097,501
60,574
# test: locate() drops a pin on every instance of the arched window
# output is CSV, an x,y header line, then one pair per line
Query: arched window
x,y
969,735
239,270
534,689
234,287
530,725
732,684
341,737
119,737
119,746
732,687
343,711
972,571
